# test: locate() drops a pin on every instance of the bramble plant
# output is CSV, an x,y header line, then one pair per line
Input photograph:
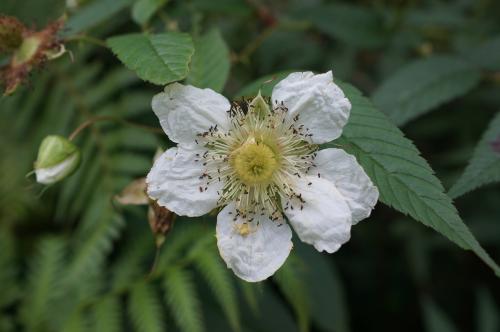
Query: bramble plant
x,y
184,152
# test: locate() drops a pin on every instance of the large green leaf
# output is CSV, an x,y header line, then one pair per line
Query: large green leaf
x,y
210,65
143,10
351,24
264,84
485,55
405,180
93,14
484,166
159,59
423,85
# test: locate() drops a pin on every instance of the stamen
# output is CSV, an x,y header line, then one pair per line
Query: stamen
x,y
258,159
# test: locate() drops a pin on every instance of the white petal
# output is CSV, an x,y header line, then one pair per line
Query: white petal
x,y
174,181
350,179
57,172
319,103
323,219
254,251
185,111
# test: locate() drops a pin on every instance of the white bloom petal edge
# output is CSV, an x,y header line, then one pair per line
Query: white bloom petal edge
x,y
348,176
322,217
318,102
253,250
57,172
174,181
185,111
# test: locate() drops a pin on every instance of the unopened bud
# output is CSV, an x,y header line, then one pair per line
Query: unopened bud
x,y
57,158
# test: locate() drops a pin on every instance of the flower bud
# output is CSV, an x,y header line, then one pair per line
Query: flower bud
x,y
57,158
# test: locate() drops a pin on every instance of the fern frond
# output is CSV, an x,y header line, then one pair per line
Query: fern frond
x,y
129,265
209,264
251,293
44,283
182,299
107,315
145,309
90,255
181,237
77,322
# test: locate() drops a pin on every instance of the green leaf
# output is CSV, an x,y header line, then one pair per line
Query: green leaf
x,y
218,278
143,10
404,179
265,84
484,166
93,14
211,64
354,25
107,315
159,59
182,300
435,319
485,55
423,85
291,281
145,309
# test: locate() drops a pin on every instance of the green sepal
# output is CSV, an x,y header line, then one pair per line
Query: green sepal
x,y
259,105
54,150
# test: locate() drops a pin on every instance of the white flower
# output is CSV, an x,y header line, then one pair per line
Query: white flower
x,y
263,166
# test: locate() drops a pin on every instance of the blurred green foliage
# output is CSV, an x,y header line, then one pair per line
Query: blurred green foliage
x,y
72,259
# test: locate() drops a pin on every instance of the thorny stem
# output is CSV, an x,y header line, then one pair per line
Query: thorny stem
x,y
95,119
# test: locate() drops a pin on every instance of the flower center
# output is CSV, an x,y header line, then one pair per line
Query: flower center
x,y
254,163
258,159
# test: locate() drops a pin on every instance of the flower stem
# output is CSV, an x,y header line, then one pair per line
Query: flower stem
x,y
95,119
